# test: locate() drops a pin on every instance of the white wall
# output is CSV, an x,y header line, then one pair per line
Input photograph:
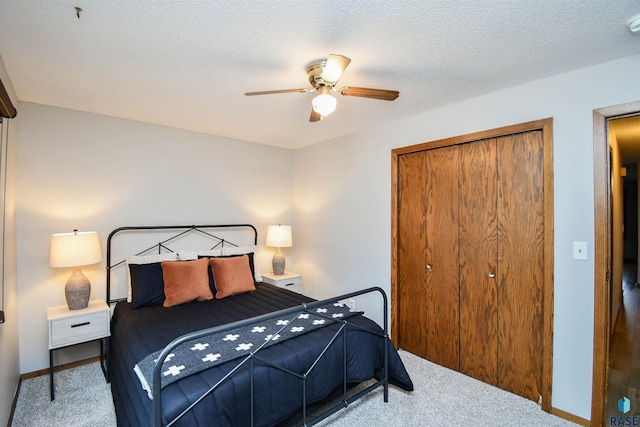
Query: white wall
x,y
92,172
343,201
9,354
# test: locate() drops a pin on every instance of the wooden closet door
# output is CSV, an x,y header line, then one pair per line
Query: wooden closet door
x,y
442,284
427,255
411,243
520,272
481,206
478,260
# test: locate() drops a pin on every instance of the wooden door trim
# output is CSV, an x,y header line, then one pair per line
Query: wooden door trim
x,y
602,203
547,351
546,126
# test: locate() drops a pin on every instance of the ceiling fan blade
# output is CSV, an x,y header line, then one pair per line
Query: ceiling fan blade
x,y
270,92
315,116
364,92
335,66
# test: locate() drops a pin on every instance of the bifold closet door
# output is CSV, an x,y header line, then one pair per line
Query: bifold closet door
x,y
427,242
520,275
411,235
470,257
441,257
478,260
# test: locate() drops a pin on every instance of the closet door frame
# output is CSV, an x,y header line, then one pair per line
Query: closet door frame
x,y
546,127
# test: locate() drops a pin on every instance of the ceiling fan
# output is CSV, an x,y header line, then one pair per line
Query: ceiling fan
x,y
323,76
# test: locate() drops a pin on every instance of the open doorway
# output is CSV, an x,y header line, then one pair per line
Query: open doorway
x,y
612,305
623,380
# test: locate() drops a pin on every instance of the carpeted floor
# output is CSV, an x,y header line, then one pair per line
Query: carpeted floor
x,y
441,398
83,399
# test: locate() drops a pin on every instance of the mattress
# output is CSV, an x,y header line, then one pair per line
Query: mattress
x,y
277,394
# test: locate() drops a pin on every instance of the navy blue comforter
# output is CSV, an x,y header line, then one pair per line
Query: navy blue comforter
x,y
135,333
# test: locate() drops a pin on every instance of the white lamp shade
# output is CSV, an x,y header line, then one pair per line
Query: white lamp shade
x,y
324,104
279,236
75,249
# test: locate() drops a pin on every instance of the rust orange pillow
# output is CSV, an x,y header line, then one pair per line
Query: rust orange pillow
x,y
232,276
185,281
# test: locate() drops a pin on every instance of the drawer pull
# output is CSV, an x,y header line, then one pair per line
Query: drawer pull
x,y
80,324
289,284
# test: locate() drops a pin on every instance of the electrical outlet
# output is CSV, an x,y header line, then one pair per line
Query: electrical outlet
x,y
351,303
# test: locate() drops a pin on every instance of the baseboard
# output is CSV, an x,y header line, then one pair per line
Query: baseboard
x,y
59,368
570,417
15,402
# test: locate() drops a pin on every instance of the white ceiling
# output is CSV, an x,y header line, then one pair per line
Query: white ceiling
x,y
187,64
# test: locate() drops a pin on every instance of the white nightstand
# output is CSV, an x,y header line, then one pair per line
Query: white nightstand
x,y
288,280
73,327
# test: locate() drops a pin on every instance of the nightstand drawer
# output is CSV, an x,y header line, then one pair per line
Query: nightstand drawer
x,y
294,284
290,281
76,329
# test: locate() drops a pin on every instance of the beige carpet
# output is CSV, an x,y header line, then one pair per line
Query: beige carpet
x,y
441,398
83,399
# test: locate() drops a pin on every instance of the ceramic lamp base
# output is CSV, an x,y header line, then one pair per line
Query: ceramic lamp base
x,y
77,290
278,263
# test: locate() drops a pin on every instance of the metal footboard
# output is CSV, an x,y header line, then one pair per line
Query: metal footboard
x,y
255,356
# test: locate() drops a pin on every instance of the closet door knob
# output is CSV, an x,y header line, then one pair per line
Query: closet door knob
x,y
429,267
492,274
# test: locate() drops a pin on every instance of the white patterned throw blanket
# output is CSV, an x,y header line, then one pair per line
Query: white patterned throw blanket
x,y
202,353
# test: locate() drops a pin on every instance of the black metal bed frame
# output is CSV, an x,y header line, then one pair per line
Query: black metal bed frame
x,y
254,356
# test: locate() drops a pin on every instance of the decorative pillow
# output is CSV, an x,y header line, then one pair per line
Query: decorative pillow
x,y
191,255
185,281
212,283
145,285
232,275
239,250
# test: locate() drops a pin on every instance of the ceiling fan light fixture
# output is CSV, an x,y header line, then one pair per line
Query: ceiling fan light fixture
x,y
324,104
323,76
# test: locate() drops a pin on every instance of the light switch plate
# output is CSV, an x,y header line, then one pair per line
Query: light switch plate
x,y
580,250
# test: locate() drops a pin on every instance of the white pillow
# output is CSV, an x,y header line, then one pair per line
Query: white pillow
x,y
147,259
191,255
239,250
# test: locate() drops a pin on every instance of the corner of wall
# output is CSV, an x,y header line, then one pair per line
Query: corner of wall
x,y
9,348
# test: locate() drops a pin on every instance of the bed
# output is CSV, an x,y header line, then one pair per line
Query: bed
x,y
292,373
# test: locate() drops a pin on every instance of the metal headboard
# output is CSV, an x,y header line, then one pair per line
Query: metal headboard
x,y
180,230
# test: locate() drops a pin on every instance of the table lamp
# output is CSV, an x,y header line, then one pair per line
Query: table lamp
x,y
278,236
75,250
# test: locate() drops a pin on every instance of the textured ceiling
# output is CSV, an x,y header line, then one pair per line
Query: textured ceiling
x,y
187,64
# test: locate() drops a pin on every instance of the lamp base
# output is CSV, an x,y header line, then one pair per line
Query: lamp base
x,y
77,290
278,263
